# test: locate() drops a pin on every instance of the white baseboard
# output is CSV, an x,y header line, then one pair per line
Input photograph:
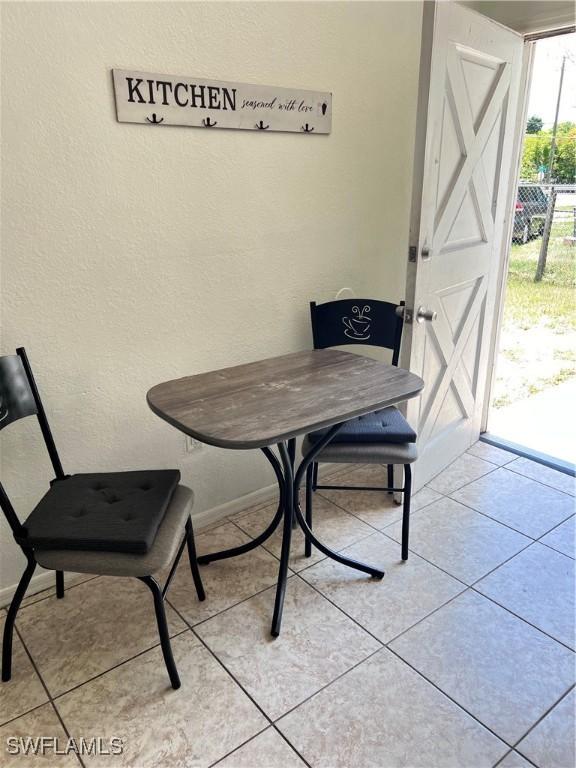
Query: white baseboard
x,y
201,520
38,583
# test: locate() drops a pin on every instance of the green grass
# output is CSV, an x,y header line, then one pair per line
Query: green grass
x,y
551,381
553,299
539,328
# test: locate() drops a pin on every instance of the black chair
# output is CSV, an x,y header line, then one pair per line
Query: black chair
x,y
384,437
110,524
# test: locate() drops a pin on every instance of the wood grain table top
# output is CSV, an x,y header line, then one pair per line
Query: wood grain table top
x,y
266,402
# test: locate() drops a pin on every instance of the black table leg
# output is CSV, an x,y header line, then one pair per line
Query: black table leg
x,y
286,539
289,510
275,522
306,462
292,455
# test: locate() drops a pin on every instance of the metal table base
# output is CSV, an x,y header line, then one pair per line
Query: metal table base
x,y
289,513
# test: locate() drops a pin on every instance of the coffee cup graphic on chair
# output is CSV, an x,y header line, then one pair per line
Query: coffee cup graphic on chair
x,y
358,327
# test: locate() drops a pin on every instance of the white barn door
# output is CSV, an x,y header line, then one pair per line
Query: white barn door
x,y
469,86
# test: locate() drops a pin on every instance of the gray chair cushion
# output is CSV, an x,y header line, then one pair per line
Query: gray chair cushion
x,y
107,512
385,426
160,556
365,453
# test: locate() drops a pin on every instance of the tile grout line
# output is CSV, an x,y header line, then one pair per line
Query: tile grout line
x,y
556,527
115,666
507,466
273,722
356,621
94,677
420,674
46,597
248,695
495,519
513,752
484,514
460,706
552,549
252,738
448,496
456,578
468,482
466,585
487,597
547,485
44,685
548,711
491,471
517,616
397,506
387,646
327,685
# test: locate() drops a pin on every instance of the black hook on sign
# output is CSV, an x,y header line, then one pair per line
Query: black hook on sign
x,y
207,124
261,126
306,128
155,120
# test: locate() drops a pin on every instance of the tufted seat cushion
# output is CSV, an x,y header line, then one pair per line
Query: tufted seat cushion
x,y
385,426
105,512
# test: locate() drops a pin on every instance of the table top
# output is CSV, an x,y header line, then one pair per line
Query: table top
x,y
266,402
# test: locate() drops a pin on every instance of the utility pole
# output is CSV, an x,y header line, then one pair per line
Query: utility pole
x,y
553,143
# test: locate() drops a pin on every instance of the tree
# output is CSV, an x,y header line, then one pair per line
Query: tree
x,y
536,155
534,124
564,171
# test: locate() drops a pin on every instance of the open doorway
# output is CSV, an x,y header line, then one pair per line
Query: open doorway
x,y
533,398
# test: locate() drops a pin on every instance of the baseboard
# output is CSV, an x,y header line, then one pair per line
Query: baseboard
x,y
38,583
215,514
201,520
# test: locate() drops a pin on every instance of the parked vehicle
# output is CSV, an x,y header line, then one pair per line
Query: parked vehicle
x,y
529,213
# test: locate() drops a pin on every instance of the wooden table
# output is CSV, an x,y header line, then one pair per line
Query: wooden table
x,y
271,402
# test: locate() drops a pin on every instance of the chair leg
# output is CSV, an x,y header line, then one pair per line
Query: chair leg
x,y
314,475
11,618
309,495
406,511
60,584
194,561
390,476
154,587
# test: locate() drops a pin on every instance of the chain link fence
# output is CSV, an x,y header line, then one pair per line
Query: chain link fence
x,y
545,216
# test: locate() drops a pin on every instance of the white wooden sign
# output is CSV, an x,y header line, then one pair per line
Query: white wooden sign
x,y
154,99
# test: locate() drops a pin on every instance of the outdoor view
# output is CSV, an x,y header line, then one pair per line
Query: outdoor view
x,y
534,396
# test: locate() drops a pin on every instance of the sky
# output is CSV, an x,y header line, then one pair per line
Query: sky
x,y
546,77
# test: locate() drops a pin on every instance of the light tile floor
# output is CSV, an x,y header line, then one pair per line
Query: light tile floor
x,y
460,658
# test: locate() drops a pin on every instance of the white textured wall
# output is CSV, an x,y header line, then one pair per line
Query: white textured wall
x,y
133,254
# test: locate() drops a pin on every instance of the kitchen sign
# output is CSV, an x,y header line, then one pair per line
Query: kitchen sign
x,y
152,99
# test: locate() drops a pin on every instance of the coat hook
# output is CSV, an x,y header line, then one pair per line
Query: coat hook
x,y
207,124
155,120
261,126
306,128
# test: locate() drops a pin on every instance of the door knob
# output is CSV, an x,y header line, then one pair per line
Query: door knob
x,y
425,314
426,253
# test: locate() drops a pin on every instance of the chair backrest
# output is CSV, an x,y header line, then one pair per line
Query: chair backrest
x,y
19,398
16,397
357,321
